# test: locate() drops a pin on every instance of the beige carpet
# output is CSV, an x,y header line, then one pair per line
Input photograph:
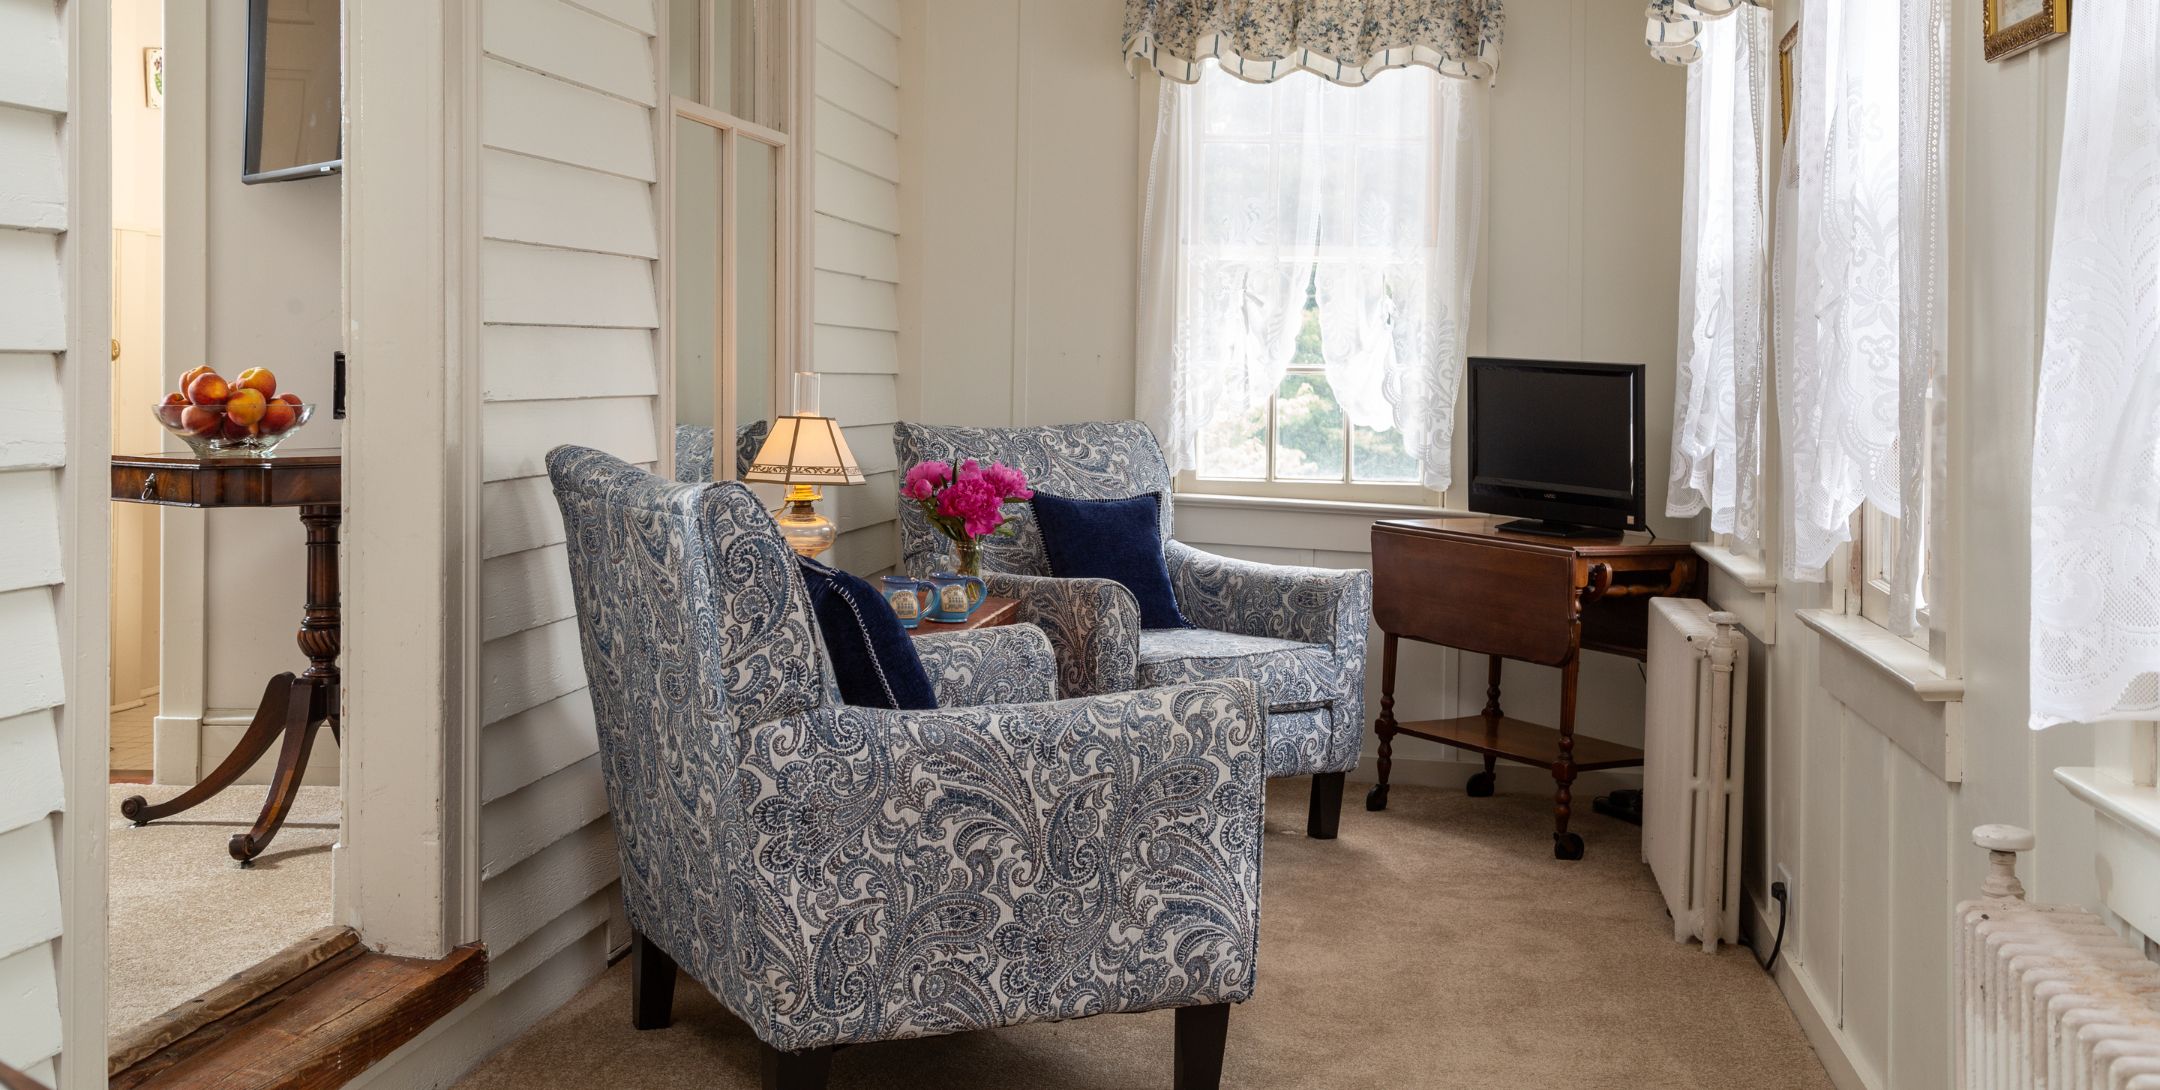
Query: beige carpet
x,y
1437,944
184,916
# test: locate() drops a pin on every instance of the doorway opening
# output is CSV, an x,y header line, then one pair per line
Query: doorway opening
x,y
222,822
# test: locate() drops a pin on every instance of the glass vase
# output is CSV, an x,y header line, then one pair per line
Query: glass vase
x,y
967,560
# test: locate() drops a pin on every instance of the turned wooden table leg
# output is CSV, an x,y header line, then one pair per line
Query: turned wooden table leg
x,y
1566,845
1481,784
1376,799
319,638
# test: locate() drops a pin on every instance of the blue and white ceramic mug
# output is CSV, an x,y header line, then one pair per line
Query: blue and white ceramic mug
x,y
952,599
908,598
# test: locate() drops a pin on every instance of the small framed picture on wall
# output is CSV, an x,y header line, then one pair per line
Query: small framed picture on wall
x,y
153,75
2010,27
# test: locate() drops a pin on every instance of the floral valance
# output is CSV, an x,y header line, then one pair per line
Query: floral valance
x,y
1342,41
1675,24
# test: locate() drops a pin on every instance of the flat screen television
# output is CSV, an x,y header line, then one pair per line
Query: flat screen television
x,y
295,96
1559,445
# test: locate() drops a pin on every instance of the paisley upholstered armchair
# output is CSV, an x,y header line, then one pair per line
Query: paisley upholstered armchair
x,y
842,875
1298,633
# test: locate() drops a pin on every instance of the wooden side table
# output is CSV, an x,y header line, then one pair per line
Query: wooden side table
x,y
1465,583
994,612
293,708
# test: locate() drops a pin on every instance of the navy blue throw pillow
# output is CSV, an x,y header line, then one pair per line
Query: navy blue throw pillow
x,y
873,658
1112,539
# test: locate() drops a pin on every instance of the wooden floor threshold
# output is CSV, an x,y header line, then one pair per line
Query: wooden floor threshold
x,y
311,1017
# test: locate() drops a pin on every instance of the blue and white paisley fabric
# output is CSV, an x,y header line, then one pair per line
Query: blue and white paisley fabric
x,y
1298,633
1342,41
1093,623
694,449
841,874
1096,461
1010,664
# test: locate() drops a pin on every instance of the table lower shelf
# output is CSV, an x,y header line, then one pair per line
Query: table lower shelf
x,y
1516,740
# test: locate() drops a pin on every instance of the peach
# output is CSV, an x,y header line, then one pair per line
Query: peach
x,y
257,378
292,400
192,373
245,406
208,389
233,431
279,417
169,412
201,421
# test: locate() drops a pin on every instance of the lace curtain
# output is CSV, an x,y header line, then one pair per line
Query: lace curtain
x,y
1370,195
1342,41
1859,362
1724,280
2096,434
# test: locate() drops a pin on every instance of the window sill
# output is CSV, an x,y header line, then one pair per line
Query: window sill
x,y
1287,504
1894,687
1741,585
2126,829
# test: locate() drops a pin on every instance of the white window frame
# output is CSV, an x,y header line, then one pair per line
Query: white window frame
x,y
793,225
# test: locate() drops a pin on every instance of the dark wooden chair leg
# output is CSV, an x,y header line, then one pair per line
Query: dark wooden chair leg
x,y
652,984
806,1070
1201,1032
1326,811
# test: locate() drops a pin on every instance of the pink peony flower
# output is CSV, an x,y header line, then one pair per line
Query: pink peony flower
x,y
923,480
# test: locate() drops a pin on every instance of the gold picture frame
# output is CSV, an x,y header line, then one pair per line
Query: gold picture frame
x,y
2010,27
1785,80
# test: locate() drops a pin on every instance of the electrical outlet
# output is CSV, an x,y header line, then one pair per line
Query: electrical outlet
x,y
1784,874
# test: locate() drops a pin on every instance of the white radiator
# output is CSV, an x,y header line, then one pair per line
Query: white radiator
x,y
1694,751
2049,996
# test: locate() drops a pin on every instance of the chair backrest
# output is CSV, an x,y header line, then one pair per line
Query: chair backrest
x,y
694,449
1109,460
689,605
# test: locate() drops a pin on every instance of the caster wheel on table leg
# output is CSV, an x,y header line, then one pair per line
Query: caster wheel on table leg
x,y
1480,785
1376,799
1567,846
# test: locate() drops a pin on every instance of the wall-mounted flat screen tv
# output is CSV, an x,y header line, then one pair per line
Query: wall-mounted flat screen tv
x,y
1558,444
294,90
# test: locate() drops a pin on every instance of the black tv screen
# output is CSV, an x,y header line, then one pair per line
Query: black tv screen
x,y
1560,444
295,96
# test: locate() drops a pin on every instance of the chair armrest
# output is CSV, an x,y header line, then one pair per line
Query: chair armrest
x,y
1094,624
1012,664
1331,606
923,872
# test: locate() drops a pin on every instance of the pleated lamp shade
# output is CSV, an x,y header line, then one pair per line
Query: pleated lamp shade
x,y
805,450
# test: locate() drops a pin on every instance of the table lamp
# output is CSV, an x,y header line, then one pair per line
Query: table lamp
x,y
804,451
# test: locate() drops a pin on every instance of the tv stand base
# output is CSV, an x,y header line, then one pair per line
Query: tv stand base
x,y
1542,528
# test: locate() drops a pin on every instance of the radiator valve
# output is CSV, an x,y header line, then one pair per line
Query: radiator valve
x,y
2003,842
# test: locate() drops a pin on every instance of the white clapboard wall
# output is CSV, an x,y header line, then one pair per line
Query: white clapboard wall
x,y
33,337
855,127
569,346
569,340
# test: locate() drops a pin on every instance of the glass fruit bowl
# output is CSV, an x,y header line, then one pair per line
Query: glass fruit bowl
x,y
219,431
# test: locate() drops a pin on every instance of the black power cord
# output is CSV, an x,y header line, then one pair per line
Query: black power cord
x,y
1777,893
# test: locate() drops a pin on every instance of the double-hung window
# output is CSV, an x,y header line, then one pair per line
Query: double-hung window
x,y
1306,280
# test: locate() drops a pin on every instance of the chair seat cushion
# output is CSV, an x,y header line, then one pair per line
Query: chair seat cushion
x,y
874,660
1290,674
1118,540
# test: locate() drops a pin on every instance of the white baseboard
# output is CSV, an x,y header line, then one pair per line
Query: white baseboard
x,y
183,749
1817,1016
